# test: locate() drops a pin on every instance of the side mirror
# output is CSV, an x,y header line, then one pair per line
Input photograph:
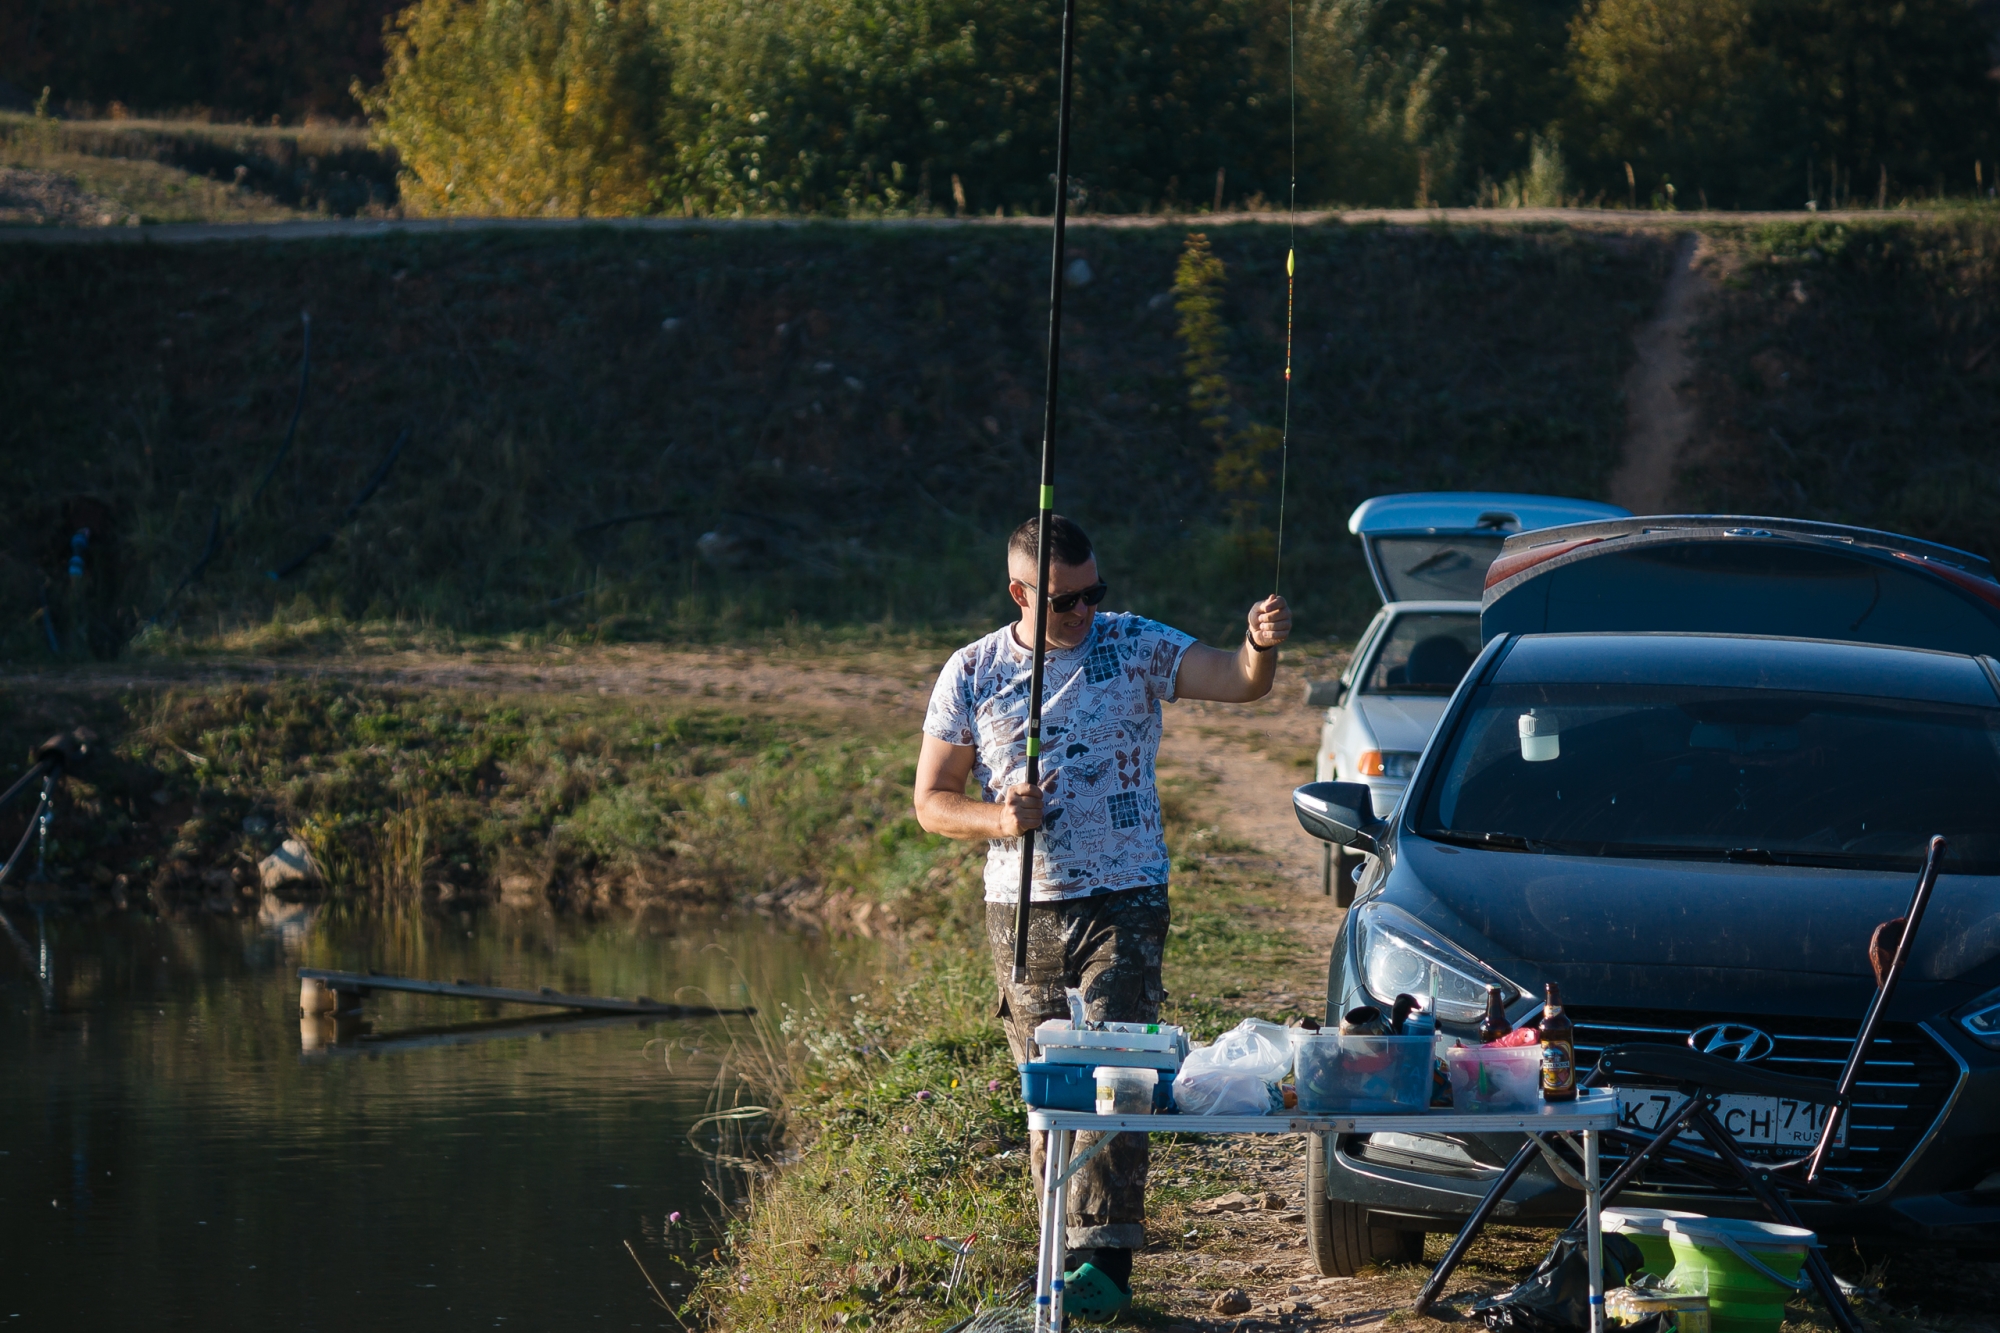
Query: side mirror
x,y
1325,693
1342,813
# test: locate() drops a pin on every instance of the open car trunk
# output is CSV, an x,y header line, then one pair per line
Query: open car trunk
x,y
1435,546
1732,575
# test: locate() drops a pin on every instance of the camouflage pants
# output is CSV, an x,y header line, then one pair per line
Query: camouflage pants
x,y
1109,948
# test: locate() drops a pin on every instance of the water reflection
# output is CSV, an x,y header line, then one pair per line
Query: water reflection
x,y
170,1155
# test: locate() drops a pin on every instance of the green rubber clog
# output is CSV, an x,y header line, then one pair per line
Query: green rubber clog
x,y
1090,1293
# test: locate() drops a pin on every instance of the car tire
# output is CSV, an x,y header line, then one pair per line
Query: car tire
x,y
1342,864
1337,1232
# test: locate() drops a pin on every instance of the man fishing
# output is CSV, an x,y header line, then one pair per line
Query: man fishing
x,y
1098,912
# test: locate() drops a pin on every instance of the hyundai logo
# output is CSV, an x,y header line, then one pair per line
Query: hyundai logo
x,y
1732,1041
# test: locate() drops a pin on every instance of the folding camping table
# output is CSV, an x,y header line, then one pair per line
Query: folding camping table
x,y
1594,1110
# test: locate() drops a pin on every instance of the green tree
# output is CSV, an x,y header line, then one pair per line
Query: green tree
x,y
555,107
1467,84
1684,92
860,105
1763,103
1890,97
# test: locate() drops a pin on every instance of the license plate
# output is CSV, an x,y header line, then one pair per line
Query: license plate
x,y
1779,1122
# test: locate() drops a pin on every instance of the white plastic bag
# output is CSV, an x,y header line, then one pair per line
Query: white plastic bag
x,y
1221,1092
1236,1075
1251,1047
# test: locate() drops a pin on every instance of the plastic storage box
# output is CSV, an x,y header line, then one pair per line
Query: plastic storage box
x,y
1063,1087
1363,1075
1488,1078
1059,1087
1135,1045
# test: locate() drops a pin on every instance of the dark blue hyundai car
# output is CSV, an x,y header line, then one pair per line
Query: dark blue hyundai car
x,y
1694,834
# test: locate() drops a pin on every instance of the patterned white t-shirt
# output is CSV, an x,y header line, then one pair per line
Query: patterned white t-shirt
x,y
1100,734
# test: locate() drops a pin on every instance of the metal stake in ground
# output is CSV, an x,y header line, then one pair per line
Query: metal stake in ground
x,y
1048,492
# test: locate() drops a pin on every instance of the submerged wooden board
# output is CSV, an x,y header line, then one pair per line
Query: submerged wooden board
x,y
360,983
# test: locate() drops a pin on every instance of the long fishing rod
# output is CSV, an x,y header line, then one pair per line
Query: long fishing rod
x,y
1291,266
1048,492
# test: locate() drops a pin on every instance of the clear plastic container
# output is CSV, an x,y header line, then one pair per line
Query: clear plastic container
x,y
1363,1075
1489,1078
1124,1090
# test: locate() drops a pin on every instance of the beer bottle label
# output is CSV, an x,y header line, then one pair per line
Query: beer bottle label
x,y
1558,1066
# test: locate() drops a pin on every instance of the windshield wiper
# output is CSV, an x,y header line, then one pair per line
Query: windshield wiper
x,y
1757,856
1502,842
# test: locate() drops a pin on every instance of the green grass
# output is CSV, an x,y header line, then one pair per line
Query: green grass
x,y
569,454
853,410
410,797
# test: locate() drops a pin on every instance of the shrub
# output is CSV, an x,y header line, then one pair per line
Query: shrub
x,y
554,107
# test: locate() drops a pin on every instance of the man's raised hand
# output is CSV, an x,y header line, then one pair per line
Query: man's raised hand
x,y
1270,622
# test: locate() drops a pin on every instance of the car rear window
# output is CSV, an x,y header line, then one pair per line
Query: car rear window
x,y
1701,772
1424,653
1433,567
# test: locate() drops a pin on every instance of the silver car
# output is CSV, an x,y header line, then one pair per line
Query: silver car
x,y
1428,553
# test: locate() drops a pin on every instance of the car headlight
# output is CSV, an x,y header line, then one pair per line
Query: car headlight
x,y
1400,953
1982,1019
1386,763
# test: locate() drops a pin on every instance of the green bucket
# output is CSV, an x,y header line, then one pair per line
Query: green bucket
x,y
1748,1270
1647,1229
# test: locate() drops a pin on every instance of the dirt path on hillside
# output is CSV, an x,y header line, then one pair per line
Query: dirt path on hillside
x,y
1659,409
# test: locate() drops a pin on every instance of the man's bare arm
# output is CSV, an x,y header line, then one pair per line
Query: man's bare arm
x,y
944,808
1246,674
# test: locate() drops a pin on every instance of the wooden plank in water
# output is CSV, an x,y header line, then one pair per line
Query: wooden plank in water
x,y
359,984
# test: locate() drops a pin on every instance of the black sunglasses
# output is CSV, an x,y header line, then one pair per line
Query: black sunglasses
x,y
1065,603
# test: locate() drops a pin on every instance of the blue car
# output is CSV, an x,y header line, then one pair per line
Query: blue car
x,y
1685,784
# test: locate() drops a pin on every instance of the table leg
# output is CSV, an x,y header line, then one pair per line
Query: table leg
x,y
1593,1207
1058,1252
1048,1269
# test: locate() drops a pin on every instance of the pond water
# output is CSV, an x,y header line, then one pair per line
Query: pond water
x,y
172,1157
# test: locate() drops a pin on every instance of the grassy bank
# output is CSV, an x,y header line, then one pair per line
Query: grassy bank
x,y
906,1108
189,171
452,798
1852,372
706,432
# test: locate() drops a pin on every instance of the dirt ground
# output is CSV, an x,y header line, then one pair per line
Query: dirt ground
x,y
47,198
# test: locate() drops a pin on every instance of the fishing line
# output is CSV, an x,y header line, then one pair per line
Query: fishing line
x,y
1291,267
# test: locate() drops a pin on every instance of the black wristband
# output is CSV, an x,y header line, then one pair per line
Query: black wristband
x,y
1254,646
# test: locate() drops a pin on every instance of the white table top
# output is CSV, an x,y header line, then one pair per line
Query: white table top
x,y
1594,1108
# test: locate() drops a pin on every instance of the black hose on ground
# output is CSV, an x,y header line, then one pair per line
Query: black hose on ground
x,y
196,569
325,539
298,407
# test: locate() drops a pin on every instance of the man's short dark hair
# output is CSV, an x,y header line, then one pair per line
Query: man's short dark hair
x,y
1067,543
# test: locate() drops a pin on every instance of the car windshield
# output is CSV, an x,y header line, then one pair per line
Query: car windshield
x,y
1424,653
1736,774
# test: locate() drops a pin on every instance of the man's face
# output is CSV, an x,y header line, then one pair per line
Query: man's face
x,y
1067,629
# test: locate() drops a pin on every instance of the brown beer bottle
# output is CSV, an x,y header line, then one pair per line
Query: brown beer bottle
x,y
1494,1025
1558,1050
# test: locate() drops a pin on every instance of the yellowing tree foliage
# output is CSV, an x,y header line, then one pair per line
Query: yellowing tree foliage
x,y
524,107
1242,445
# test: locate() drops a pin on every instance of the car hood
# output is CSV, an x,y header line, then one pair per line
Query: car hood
x,y
1699,934
1401,721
